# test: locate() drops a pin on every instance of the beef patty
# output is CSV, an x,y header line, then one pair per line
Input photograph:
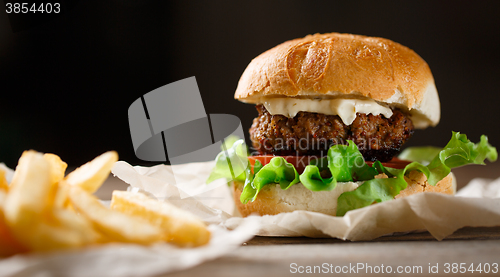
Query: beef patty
x,y
377,137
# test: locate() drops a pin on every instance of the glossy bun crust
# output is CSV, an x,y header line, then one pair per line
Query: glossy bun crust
x,y
343,65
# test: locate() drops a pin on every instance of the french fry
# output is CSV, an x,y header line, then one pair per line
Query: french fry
x,y
46,237
28,207
9,245
42,210
57,167
4,185
113,224
92,175
70,220
29,191
60,198
179,226
57,170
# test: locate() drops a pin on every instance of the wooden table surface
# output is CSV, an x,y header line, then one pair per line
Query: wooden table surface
x,y
418,253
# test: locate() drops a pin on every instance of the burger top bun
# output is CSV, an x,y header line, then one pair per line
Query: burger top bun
x,y
344,66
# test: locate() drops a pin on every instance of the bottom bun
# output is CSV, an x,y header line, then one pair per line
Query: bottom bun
x,y
273,200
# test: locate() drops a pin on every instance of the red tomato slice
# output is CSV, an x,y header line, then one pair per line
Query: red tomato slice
x,y
394,163
300,162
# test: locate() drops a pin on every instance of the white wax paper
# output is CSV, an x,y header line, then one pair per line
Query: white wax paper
x,y
475,205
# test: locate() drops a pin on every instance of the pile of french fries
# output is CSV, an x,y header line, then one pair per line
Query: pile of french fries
x,y
44,210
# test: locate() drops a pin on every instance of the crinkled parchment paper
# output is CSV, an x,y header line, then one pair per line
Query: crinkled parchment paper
x,y
129,259
478,204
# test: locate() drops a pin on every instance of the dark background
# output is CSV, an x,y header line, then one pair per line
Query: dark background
x,y
67,81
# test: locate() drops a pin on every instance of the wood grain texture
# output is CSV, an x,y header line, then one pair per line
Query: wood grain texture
x,y
272,256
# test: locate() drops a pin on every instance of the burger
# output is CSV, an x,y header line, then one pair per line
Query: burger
x,y
334,111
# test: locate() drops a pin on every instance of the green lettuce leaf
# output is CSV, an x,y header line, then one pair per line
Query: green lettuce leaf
x,y
312,180
377,190
249,191
458,152
345,163
228,142
232,162
278,170
421,154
